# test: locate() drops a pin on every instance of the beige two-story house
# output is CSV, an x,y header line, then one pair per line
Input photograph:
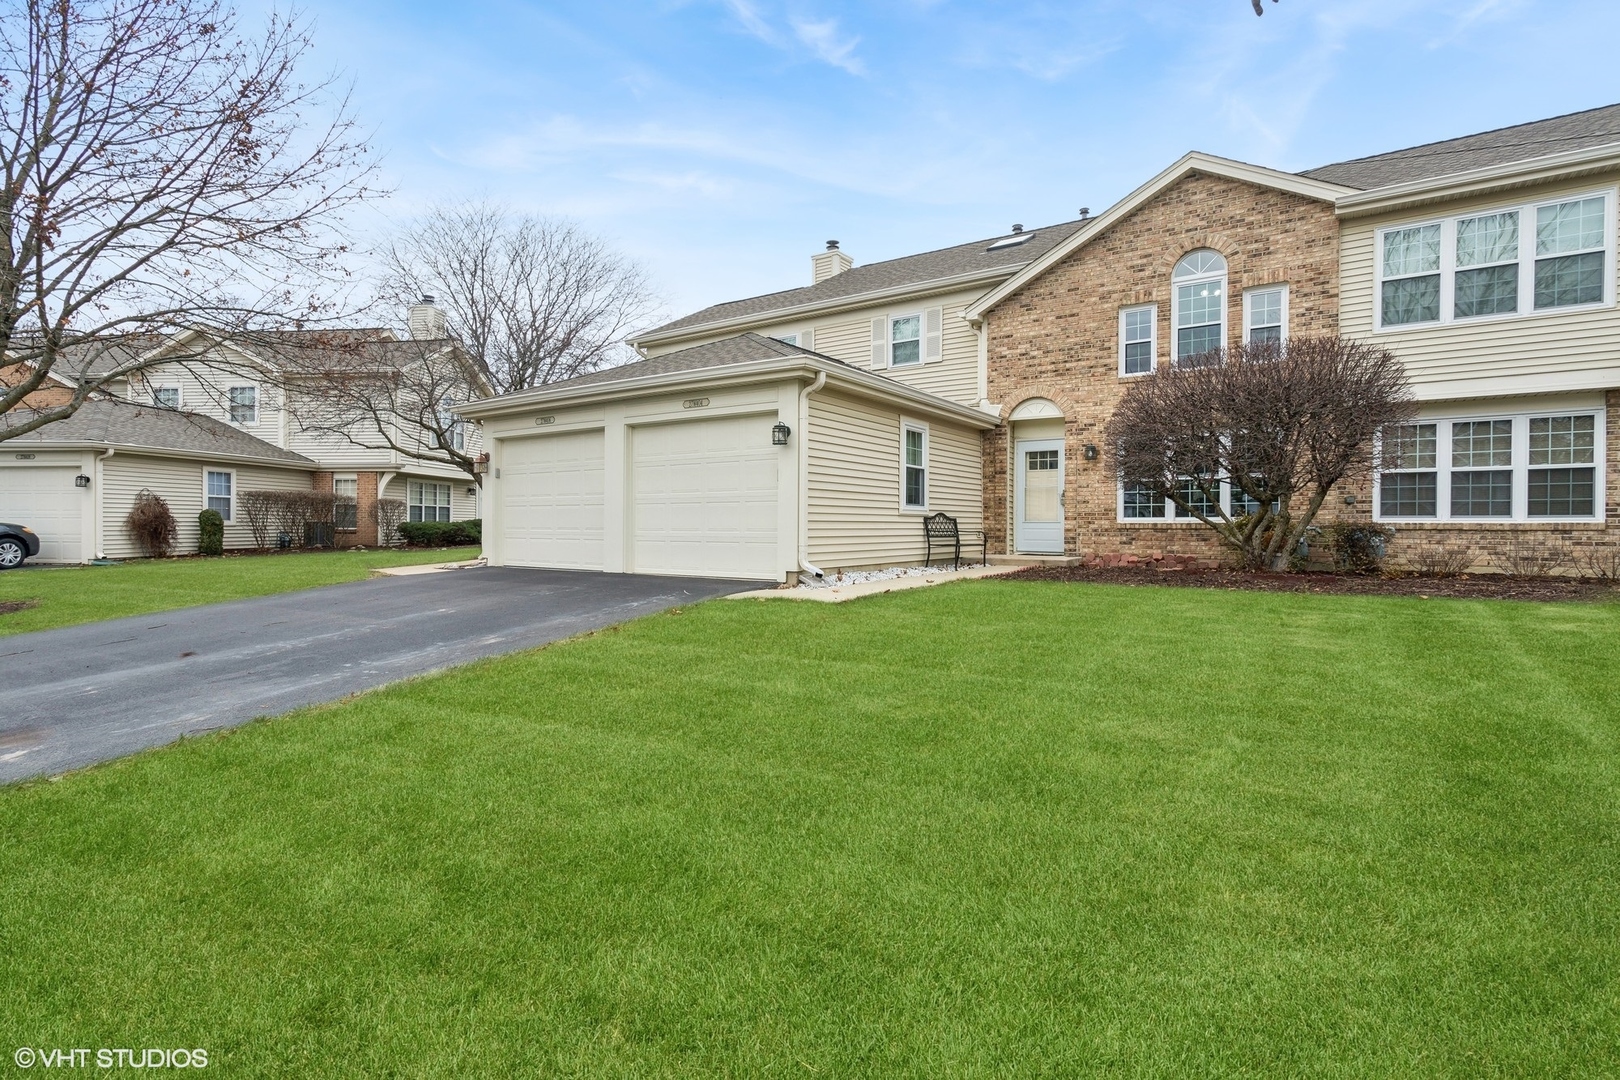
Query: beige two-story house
x,y
1486,263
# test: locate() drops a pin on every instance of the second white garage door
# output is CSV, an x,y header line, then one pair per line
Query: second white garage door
x,y
44,498
704,498
551,509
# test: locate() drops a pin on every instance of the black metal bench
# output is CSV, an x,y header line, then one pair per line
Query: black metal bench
x,y
941,529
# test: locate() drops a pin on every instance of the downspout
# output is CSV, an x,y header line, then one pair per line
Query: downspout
x,y
805,565
96,494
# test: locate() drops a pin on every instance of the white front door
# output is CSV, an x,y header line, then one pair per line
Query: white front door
x,y
1038,497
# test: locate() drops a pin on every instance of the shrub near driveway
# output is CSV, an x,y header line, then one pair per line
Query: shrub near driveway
x,y
78,594
990,829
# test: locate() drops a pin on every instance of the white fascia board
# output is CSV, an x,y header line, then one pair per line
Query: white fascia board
x,y
773,369
853,302
306,465
1194,162
1571,164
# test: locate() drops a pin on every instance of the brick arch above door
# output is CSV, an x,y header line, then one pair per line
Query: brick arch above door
x,y
1049,391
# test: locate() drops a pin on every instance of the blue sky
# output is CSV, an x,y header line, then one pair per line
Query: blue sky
x,y
720,142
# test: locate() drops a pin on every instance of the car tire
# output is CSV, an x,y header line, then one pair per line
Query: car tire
x,y
12,553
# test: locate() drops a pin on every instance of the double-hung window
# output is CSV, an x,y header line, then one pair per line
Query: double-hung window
x,y
243,403
453,429
1527,467
428,501
1137,344
1487,281
1138,502
913,466
1411,283
1571,245
346,504
1265,315
1518,260
166,397
905,341
217,489
1200,288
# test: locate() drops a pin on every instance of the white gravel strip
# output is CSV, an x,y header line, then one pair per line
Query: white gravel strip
x,y
858,577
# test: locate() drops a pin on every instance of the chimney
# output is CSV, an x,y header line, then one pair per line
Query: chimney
x,y
829,263
426,319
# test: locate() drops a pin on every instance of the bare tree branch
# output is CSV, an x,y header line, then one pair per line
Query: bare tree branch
x,y
534,300
158,173
1279,426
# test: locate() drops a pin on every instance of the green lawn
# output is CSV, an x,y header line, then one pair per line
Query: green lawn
x,y
992,829
77,594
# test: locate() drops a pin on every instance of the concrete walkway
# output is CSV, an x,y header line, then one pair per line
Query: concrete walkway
x,y
83,694
837,594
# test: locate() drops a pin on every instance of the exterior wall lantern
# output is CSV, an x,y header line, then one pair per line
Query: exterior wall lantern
x,y
780,433
1091,451
81,481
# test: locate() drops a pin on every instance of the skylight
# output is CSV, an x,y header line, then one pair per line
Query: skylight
x,y
1011,241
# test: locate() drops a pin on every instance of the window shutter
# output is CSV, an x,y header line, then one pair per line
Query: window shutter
x,y
880,342
934,335
807,340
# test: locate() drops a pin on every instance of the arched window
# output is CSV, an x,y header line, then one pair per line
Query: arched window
x,y
1200,284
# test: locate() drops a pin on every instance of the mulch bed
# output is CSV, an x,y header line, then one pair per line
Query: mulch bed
x,y
8,606
1470,586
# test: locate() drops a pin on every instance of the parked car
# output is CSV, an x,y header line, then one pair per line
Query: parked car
x,y
17,542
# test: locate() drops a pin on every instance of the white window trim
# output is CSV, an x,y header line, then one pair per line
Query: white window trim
x,y
1170,508
1521,467
152,389
258,404
1249,294
1153,339
354,478
449,487
1527,264
1177,284
231,517
927,468
922,335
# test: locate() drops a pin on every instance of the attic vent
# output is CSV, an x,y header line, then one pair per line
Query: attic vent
x,y
1011,241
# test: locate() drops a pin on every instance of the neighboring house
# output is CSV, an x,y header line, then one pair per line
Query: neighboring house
x,y
166,429
1486,263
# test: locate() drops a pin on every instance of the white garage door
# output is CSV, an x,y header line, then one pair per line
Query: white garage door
x,y
43,498
704,498
551,501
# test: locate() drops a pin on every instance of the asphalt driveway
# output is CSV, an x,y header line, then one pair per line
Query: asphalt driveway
x,y
82,694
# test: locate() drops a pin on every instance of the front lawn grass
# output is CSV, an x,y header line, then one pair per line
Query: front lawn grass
x,y
991,829
65,596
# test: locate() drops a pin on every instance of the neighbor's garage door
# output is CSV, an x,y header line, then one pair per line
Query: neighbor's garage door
x,y
704,498
551,501
43,498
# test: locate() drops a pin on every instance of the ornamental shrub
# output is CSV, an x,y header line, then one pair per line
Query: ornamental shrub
x,y
151,525
210,533
442,533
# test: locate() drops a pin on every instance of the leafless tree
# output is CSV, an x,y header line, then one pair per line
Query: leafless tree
x,y
387,514
394,396
160,172
534,299
1282,426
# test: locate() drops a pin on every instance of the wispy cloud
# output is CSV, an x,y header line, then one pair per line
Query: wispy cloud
x,y
827,44
748,16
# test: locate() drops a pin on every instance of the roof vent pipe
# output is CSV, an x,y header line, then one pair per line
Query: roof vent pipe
x,y
1017,229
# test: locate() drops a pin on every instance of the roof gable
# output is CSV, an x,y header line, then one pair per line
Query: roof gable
x,y
1195,162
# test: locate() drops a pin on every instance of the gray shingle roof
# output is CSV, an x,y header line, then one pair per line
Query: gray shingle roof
x,y
121,424
1575,131
742,349
318,349
892,273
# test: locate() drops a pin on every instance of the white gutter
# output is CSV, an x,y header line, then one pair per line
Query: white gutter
x,y
1570,164
169,452
804,475
101,525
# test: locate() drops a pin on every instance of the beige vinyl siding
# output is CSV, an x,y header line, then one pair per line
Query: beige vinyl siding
x,y
855,519
180,484
847,336
204,389
463,507
1508,354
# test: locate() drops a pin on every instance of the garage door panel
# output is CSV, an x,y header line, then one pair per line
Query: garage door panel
x,y
552,501
45,499
704,498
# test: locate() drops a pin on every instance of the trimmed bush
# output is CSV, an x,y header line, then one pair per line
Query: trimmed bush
x,y
1358,549
442,533
210,533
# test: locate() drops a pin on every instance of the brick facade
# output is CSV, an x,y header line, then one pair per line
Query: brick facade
x,y
1058,337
